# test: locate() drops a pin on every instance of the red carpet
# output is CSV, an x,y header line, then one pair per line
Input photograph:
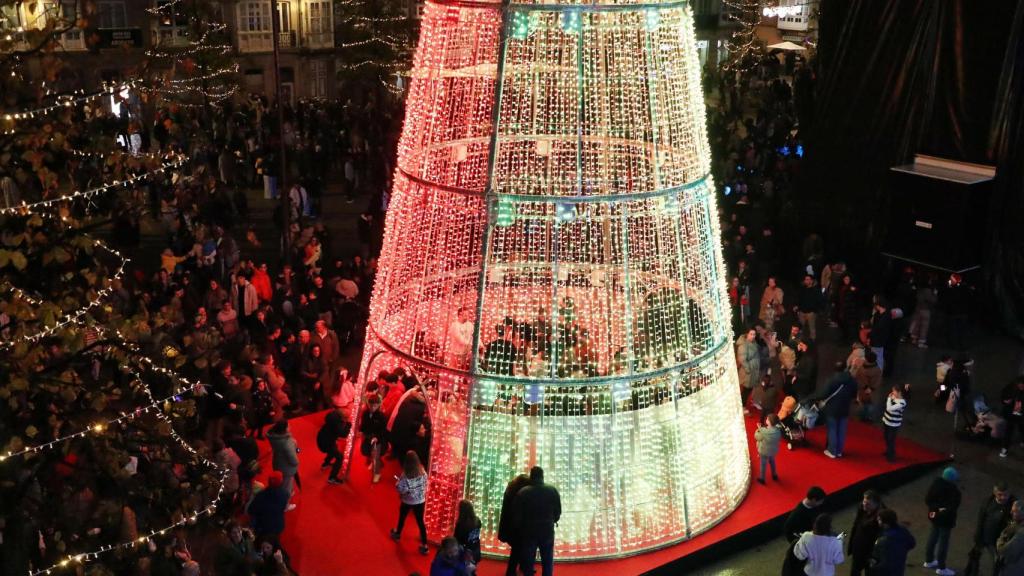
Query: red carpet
x,y
343,529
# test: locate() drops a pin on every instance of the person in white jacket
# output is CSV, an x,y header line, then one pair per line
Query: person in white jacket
x,y
822,550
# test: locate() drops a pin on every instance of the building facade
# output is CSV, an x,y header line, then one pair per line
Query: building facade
x,y
120,32
306,42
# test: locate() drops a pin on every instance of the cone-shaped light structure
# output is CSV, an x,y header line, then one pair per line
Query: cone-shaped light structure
x,y
552,267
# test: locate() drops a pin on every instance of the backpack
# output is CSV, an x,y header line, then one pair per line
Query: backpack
x,y
328,434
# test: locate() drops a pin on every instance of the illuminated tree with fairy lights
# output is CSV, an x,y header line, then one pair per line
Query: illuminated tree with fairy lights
x,y
552,271
92,465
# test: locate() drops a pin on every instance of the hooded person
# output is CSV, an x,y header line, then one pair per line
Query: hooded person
x,y
335,427
943,501
266,511
285,455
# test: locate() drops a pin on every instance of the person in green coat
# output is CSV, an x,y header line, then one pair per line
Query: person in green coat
x,y
768,437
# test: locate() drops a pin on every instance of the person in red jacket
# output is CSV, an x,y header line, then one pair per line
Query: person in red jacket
x,y
261,281
394,393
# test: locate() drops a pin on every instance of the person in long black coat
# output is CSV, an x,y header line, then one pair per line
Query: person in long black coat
x,y
411,426
864,533
507,531
806,370
800,520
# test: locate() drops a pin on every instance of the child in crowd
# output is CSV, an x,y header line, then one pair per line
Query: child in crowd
x,y
768,438
892,419
450,560
373,426
467,531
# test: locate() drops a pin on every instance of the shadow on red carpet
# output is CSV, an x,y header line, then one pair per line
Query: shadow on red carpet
x,y
343,529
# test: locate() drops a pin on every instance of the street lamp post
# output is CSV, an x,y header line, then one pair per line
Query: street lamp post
x,y
283,170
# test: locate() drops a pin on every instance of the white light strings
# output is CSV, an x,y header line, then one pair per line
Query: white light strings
x,y
67,102
84,557
82,194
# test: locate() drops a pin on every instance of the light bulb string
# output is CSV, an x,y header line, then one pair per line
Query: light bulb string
x,y
179,161
84,557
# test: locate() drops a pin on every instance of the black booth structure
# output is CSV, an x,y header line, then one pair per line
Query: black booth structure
x,y
938,213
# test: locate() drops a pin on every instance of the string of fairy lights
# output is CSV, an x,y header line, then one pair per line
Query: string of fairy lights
x,y
131,181
53,208
65,102
743,41
578,239
155,407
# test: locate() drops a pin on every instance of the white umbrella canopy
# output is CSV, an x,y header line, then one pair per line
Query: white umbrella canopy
x,y
786,46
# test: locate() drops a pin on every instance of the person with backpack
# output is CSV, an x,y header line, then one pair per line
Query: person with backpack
x,y
335,427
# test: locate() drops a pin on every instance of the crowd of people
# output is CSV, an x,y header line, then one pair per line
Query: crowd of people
x,y
265,335
878,543
755,129
262,334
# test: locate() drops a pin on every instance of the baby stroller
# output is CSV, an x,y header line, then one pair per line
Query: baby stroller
x,y
790,422
987,424
793,432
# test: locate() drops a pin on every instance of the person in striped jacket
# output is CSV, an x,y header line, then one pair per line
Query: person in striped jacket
x,y
892,419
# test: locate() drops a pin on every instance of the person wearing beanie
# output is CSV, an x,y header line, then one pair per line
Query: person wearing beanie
x,y
943,500
266,511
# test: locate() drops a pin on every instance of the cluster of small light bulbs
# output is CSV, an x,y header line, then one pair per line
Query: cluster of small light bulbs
x,y
553,182
155,406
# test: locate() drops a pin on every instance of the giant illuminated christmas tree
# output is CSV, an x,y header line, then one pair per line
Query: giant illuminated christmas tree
x,y
552,269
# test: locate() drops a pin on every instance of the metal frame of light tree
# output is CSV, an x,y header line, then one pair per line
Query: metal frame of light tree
x,y
553,181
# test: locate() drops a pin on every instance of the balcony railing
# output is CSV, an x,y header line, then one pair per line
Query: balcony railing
x,y
263,41
319,40
255,41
